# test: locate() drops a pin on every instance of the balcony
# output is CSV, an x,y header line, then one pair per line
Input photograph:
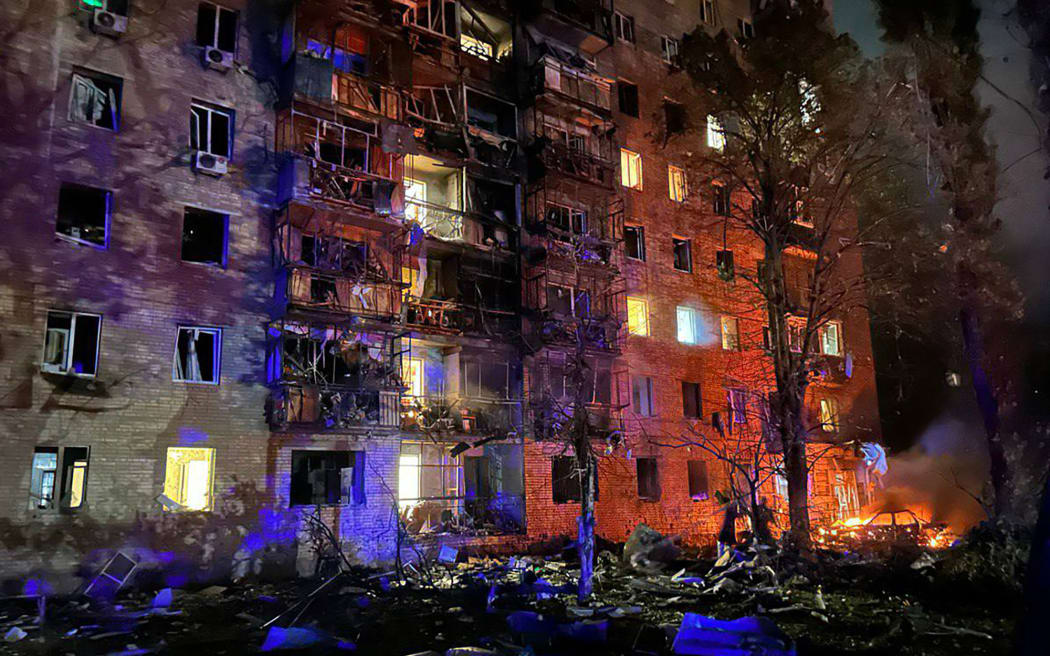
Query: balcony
x,y
454,318
558,158
308,288
601,334
439,18
553,77
582,24
550,418
459,416
332,409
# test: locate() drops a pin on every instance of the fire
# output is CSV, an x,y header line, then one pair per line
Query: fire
x,y
884,527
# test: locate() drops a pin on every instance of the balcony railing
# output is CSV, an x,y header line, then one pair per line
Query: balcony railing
x,y
452,318
550,75
304,178
437,17
364,95
551,418
312,289
599,333
436,220
461,416
585,24
560,158
332,408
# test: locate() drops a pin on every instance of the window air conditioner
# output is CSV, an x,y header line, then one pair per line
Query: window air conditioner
x,y
210,164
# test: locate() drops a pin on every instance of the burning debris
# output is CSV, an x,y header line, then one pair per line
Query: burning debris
x,y
886,528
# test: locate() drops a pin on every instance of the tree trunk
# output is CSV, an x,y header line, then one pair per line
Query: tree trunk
x,y
1034,629
988,405
585,527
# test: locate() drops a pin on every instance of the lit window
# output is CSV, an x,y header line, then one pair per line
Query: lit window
x,y
669,49
676,183
829,415
716,136
412,376
630,169
74,477
637,316
198,352
211,128
410,277
188,477
475,47
216,27
415,199
730,334
71,343
689,325
408,472
831,338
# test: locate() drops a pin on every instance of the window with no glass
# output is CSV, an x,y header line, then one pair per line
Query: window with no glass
x,y
627,94
642,396
83,214
95,98
216,27
197,355
211,129
71,343
204,236
691,406
68,483
698,481
648,479
188,474
634,242
683,254
327,478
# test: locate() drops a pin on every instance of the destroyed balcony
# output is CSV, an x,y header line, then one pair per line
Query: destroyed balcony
x,y
582,24
595,333
561,232
308,179
312,77
550,418
437,18
308,288
553,156
460,416
454,318
331,409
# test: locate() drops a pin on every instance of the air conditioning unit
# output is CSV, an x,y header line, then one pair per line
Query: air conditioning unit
x,y
210,164
216,59
108,23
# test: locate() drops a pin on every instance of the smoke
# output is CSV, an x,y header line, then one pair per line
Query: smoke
x,y
936,477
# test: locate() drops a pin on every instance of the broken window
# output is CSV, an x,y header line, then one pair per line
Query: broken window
x,y
197,355
829,415
634,242
676,184
565,480
675,117
642,396
669,50
95,98
737,405
648,479
730,334
491,114
71,343
830,338
724,264
566,218
691,404
683,254
624,27
483,379
188,475
720,199
707,12
716,136
698,481
204,236
83,214
637,316
476,47
597,383
627,95
42,478
690,327
327,478
211,129
630,169
745,29
216,27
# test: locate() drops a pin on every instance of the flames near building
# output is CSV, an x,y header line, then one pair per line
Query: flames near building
x,y
338,254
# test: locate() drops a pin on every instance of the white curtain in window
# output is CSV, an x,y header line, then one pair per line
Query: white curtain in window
x,y
87,101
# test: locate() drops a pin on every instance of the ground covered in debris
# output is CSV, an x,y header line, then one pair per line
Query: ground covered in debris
x,y
900,604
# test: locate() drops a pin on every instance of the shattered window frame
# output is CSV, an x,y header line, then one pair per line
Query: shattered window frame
x,y
69,339
669,50
93,93
180,369
730,333
699,479
831,346
829,414
58,480
737,401
65,222
202,128
716,136
707,12
639,242
677,186
354,492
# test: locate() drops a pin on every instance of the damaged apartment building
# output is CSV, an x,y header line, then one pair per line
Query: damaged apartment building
x,y
335,256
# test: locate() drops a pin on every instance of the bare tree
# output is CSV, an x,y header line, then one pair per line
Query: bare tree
x,y
795,123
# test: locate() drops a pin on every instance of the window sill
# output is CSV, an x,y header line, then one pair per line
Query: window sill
x,y
196,382
69,374
82,242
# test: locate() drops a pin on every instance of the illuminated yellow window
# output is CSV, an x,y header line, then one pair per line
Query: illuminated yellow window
x,y
475,47
829,415
676,184
77,478
412,375
630,169
188,475
730,334
410,276
415,200
637,316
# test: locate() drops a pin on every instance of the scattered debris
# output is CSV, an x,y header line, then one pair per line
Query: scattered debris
x,y
743,637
